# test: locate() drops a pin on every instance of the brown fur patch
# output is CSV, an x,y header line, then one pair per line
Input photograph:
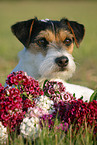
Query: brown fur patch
x,y
70,48
51,37
34,48
62,36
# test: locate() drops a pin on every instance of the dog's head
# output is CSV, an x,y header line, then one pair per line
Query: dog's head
x,y
51,45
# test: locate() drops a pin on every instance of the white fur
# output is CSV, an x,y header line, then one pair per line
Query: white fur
x,y
29,63
44,67
49,69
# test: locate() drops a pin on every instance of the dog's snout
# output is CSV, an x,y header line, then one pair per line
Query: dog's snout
x,y
62,61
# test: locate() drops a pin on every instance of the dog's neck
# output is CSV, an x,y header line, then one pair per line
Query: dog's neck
x,y
27,63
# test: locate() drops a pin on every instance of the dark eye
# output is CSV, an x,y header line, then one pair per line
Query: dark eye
x,y
67,41
42,42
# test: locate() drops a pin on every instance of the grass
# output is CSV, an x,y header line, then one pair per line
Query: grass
x,y
83,12
58,137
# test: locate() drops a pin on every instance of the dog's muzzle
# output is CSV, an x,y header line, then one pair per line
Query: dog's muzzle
x,y
62,62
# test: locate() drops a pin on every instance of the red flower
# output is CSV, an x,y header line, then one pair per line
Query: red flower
x,y
27,104
25,83
15,102
78,112
12,107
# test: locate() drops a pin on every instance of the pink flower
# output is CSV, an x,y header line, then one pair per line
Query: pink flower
x,y
56,91
63,127
47,120
35,112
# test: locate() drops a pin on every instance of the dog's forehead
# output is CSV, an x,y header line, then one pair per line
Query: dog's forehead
x,y
51,24
46,24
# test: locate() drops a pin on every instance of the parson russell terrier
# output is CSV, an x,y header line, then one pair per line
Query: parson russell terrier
x,y
47,53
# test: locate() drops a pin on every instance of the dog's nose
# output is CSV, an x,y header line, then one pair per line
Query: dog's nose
x,y
62,61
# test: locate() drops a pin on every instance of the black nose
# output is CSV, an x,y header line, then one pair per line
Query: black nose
x,y
62,61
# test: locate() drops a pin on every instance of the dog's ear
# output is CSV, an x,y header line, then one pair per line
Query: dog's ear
x,y
22,30
78,30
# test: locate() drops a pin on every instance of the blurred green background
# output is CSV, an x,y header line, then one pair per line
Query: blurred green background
x,y
84,12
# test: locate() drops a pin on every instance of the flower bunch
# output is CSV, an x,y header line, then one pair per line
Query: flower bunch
x,y
77,112
56,91
17,97
68,109
30,127
43,107
46,104
27,85
11,108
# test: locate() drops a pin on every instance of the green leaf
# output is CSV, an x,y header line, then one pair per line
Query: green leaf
x,y
44,83
93,96
74,95
81,98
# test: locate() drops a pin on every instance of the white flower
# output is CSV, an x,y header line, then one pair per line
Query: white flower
x,y
46,104
30,127
3,134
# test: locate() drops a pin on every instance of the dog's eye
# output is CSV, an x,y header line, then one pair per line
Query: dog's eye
x,y
67,41
42,42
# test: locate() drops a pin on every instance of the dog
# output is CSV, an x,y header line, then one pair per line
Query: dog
x,y
47,54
